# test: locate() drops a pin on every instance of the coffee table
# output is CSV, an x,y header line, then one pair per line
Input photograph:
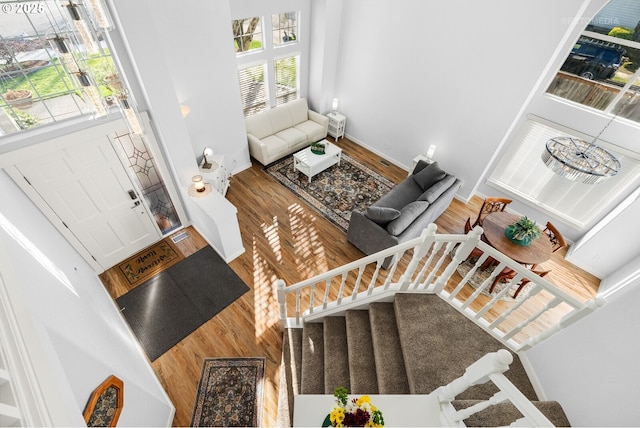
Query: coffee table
x,y
311,164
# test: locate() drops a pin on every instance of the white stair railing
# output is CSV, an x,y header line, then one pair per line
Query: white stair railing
x,y
489,368
429,264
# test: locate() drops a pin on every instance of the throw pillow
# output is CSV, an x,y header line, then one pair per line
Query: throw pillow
x,y
382,215
429,175
434,192
408,214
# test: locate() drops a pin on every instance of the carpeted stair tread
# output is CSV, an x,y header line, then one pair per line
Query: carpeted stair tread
x,y
391,373
503,414
312,377
362,366
428,327
336,359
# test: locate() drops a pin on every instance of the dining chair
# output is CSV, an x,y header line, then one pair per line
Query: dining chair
x,y
491,205
508,274
557,240
467,228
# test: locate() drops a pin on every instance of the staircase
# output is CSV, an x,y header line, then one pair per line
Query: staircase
x,y
399,347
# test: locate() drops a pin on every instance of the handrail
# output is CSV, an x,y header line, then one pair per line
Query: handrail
x,y
431,269
490,367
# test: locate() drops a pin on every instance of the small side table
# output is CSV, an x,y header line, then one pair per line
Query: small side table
x,y
337,123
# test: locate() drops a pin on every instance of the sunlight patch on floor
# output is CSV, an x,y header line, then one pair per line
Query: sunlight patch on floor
x,y
310,254
264,290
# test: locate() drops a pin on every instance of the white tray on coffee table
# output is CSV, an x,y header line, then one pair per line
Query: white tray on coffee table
x,y
311,164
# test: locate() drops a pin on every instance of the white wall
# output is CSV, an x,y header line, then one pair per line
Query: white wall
x,y
79,337
592,368
454,74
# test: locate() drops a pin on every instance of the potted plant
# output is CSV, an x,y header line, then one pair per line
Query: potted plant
x,y
318,148
19,98
523,231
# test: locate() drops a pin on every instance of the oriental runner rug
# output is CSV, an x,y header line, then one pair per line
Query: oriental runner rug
x,y
336,191
230,393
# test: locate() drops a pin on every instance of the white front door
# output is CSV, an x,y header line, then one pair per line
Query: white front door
x,y
87,187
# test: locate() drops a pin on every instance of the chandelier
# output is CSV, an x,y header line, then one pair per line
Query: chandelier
x,y
578,160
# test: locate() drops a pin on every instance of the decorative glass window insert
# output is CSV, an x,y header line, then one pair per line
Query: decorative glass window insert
x,y
285,28
145,170
286,74
253,89
521,173
247,34
47,71
602,70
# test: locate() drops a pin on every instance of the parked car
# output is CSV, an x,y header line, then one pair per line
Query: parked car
x,y
594,59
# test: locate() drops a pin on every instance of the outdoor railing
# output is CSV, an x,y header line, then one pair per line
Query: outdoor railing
x,y
432,267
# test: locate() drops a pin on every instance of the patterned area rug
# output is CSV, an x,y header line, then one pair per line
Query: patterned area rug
x,y
335,192
481,275
230,393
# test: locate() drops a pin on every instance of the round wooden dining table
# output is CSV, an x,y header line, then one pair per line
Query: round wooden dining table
x,y
494,226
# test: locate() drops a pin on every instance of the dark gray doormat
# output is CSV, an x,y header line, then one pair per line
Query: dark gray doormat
x,y
168,307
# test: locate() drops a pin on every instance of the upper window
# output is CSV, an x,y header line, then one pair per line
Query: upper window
x,y
285,28
286,75
602,70
53,65
247,34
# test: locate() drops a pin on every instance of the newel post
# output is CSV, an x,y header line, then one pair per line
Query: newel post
x,y
282,302
426,240
460,255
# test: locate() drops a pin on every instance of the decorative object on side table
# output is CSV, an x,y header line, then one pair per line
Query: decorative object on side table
x,y
318,148
105,404
523,231
357,412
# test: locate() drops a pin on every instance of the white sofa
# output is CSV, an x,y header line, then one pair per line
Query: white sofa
x,y
285,129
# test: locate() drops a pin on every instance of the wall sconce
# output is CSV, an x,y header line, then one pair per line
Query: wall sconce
x,y
431,151
334,106
184,110
198,187
208,151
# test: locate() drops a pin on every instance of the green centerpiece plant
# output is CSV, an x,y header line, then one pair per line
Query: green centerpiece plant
x,y
523,231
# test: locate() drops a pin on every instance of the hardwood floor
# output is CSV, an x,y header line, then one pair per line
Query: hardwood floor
x,y
285,239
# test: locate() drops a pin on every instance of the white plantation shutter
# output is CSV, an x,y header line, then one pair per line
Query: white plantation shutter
x,y
253,89
286,74
522,173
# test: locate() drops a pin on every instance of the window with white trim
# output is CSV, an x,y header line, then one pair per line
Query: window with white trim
x,y
602,70
286,76
247,34
276,78
284,27
254,92
520,172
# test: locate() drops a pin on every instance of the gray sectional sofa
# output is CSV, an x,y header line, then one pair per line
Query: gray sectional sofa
x,y
405,211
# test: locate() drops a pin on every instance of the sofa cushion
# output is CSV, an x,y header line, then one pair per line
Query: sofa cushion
x,y
275,145
280,118
402,193
292,136
382,215
434,192
259,125
429,175
408,214
312,130
299,110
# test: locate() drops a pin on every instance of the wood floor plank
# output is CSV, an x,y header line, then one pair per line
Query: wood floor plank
x,y
286,239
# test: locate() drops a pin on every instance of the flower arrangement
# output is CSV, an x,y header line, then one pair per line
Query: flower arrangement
x,y
357,412
318,148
